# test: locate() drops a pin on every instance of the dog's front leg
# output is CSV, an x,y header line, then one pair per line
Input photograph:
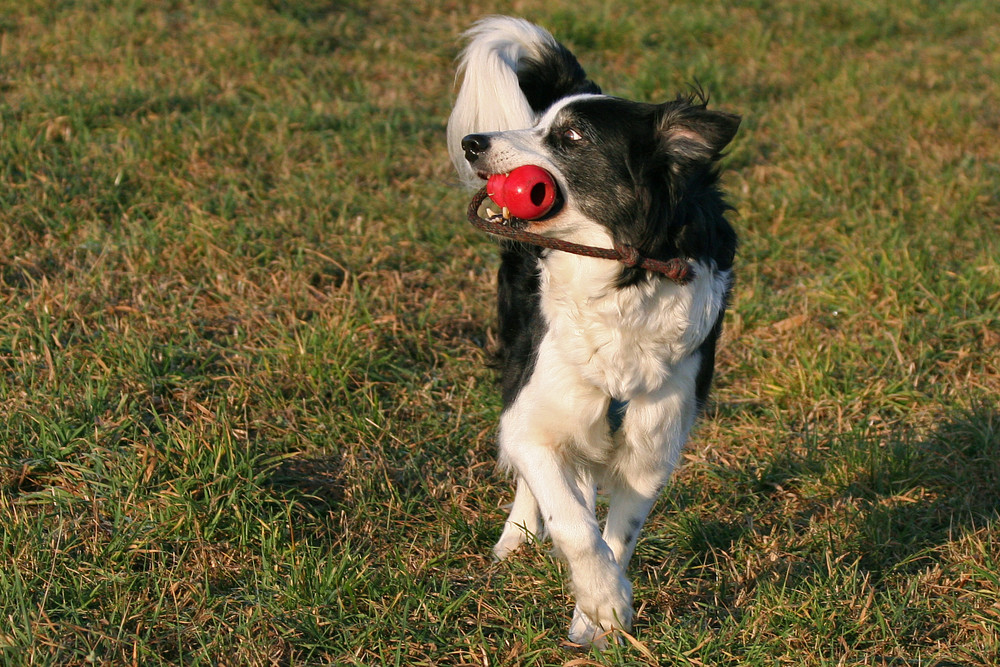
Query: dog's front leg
x,y
655,430
603,594
523,525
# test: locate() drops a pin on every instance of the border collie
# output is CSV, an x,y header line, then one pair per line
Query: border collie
x,y
604,366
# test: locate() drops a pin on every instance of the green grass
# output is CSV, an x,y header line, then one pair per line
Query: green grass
x,y
242,334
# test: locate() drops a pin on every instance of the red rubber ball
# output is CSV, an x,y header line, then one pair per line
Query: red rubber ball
x,y
495,189
528,192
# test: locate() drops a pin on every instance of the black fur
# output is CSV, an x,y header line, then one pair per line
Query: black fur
x,y
522,326
556,75
706,365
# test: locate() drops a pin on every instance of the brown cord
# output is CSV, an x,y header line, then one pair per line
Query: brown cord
x,y
678,270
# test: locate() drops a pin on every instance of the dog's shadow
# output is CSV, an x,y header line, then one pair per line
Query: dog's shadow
x,y
924,493
885,505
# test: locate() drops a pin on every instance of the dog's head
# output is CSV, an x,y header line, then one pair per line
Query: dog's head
x,y
638,174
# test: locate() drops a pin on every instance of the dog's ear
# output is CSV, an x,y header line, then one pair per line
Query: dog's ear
x,y
691,135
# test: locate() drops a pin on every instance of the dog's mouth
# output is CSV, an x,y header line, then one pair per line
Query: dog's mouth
x,y
503,217
525,193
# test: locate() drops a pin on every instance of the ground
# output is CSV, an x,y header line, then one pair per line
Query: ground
x,y
244,329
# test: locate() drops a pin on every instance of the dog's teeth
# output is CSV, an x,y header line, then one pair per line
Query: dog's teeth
x,y
506,213
490,213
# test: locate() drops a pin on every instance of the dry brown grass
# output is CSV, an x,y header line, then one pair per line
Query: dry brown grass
x,y
243,327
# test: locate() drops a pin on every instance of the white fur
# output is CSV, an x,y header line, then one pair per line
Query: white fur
x,y
637,344
490,99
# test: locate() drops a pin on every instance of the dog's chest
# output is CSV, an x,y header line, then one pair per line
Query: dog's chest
x,y
625,340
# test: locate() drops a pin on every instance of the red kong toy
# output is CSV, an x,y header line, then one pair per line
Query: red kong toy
x,y
528,192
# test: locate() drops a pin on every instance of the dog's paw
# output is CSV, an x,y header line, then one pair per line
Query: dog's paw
x,y
513,536
585,632
601,609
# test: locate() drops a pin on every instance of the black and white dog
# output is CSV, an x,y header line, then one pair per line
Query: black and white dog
x,y
604,366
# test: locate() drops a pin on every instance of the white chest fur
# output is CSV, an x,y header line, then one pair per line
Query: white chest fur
x,y
625,341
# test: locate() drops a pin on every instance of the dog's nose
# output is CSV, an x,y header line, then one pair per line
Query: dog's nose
x,y
474,145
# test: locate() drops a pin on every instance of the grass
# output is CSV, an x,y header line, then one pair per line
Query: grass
x,y
243,326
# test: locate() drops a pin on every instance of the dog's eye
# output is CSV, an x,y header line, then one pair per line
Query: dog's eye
x,y
570,134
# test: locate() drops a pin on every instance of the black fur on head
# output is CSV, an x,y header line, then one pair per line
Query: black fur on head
x,y
648,173
551,78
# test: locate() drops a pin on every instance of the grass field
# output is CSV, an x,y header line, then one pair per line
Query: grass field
x,y
243,329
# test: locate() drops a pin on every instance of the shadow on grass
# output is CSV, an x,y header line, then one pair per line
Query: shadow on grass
x,y
803,544
923,493
318,479
911,494
889,499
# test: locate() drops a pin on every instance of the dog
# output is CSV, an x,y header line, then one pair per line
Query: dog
x,y
604,366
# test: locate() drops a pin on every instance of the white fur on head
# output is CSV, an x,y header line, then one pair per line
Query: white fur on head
x,y
490,99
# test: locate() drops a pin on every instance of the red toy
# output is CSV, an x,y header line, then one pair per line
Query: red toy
x,y
528,192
